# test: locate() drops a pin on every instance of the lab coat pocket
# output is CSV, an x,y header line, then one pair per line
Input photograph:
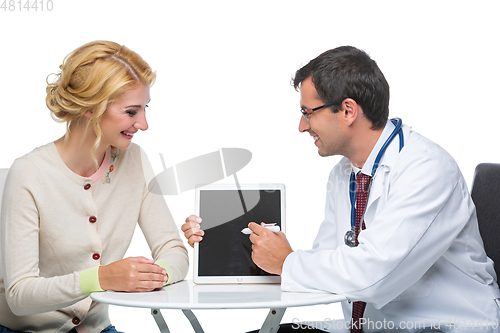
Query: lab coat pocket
x,y
421,288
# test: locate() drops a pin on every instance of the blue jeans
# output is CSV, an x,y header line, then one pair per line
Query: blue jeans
x,y
108,329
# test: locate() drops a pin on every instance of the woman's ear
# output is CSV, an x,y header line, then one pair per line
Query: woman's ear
x,y
89,114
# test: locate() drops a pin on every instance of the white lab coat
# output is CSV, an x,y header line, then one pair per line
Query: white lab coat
x,y
420,260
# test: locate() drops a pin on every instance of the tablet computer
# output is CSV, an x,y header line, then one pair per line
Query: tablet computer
x,y
224,256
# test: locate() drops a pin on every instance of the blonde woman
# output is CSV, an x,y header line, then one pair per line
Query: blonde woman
x,y
71,206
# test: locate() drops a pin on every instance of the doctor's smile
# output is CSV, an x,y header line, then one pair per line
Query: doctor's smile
x,y
315,138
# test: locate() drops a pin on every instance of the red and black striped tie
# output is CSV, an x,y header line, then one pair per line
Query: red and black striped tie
x,y
362,188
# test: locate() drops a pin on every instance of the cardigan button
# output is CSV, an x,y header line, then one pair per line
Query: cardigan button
x,y
87,186
96,256
92,219
76,321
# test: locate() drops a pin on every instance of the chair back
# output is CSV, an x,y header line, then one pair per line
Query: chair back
x,y
3,177
486,196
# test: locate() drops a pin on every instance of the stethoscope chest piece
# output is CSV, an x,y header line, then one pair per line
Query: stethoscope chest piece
x,y
349,238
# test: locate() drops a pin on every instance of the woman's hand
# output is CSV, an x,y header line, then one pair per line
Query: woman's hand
x,y
192,231
134,274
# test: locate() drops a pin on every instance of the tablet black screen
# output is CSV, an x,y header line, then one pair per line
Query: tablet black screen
x,y
225,250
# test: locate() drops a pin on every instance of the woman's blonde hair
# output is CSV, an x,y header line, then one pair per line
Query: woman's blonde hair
x,y
92,77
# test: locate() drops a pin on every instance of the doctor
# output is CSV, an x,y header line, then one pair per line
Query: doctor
x,y
400,238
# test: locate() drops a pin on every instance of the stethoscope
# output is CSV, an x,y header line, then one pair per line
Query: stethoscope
x,y
350,234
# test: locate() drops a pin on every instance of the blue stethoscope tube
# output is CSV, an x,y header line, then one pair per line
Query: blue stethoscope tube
x,y
349,238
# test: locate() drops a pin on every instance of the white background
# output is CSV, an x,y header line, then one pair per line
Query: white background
x,y
224,70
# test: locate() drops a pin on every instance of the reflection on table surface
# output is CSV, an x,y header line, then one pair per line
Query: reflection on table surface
x,y
187,295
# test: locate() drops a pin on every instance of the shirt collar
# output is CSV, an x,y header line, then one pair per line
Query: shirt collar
x,y
368,166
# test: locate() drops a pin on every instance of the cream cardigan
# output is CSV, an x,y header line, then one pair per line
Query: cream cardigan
x,y
56,224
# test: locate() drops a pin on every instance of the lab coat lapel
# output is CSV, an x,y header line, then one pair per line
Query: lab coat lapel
x,y
376,186
386,164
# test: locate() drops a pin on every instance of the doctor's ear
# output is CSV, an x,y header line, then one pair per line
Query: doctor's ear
x,y
351,110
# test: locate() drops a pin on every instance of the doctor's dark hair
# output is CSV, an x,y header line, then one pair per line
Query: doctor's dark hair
x,y
347,72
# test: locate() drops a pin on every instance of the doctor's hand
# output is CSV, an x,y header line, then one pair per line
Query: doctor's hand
x,y
134,274
269,249
192,231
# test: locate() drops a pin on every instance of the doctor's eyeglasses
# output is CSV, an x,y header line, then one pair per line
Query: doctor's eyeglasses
x,y
307,113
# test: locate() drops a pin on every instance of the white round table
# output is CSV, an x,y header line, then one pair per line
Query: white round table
x,y
188,296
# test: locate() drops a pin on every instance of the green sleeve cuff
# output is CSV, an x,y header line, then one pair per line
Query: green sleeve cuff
x,y
89,280
163,264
